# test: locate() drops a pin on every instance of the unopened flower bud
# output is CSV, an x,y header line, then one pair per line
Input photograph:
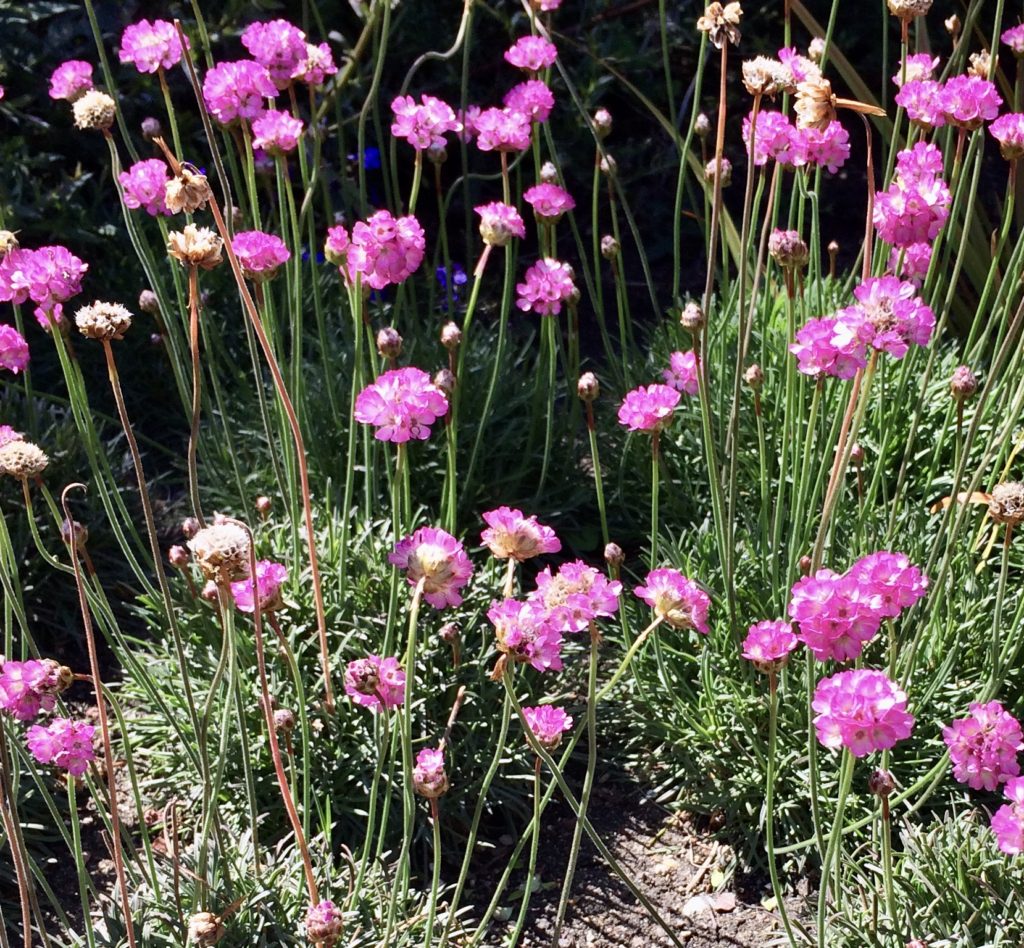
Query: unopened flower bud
x,y
963,383
692,318
805,566
324,923
22,460
588,388
609,166
364,676
437,154
189,527
204,930
451,336
548,173
103,321
71,531
702,126
284,721
712,165
444,379
429,779
602,123
788,250
149,303
816,49
94,110
953,28
263,505
881,783
8,242
856,455
613,555
209,591
151,128
178,556
609,247
754,377
156,340
1006,504
389,343
917,943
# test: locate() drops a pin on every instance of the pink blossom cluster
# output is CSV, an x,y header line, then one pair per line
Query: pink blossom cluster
x,y
547,724
862,710
151,46
510,534
70,80
237,90
919,66
276,132
501,130
983,746
259,255
8,434
576,595
827,346
64,743
48,276
547,284
676,599
526,632
266,590
324,922
800,67
401,404
922,99
965,101
916,205
1014,38
13,349
28,688
371,680
423,125
144,185
681,373
769,643
777,138
279,47
549,202
428,775
1008,130
532,98
1008,820
531,53
912,262
889,316
317,65
439,560
499,223
649,408
382,249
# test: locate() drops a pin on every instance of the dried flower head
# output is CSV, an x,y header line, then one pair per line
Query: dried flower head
x,y
1006,505
588,388
765,76
908,9
721,23
692,318
815,104
204,929
94,109
103,321
981,64
195,247
187,191
22,459
222,552
451,336
711,168
8,242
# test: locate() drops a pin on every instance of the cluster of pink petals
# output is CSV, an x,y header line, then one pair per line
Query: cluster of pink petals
x,y
511,534
548,283
64,743
922,99
401,404
259,254
919,66
13,349
681,373
1008,820
969,101
439,560
144,185
502,130
527,633
827,147
532,53
423,125
549,202
276,132
429,769
279,47
70,79
546,6
777,138
1014,38
499,223
151,46
390,677
676,599
237,90
862,710
800,67
889,316
8,434
532,98
828,346
27,688
983,746
266,589
889,582
383,249
323,921
576,595
48,276
769,643
649,408
467,118
911,263
317,65
547,724
1008,130
916,205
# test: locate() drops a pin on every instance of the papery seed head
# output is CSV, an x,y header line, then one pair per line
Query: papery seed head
x,y
187,192
908,9
8,242
22,460
1006,505
691,318
204,929
721,23
389,343
222,551
981,64
103,321
195,247
754,377
451,336
588,388
71,531
94,110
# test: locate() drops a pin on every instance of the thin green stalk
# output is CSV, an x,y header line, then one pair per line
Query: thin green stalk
x,y
435,881
834,839
532,866
769,805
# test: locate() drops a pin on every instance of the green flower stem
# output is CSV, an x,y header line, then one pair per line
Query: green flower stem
x,y
193,438
348,496
887,876
532,866
417,179
598,479
830,859
15,843
551,347
435,881
769,804
84,881
627,659
655,482
371,814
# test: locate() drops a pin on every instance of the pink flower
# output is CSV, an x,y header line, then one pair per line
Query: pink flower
x,y
48,276
373,679
1008,820
385,249
546,6
237,90
402,405
279,47
317,65
681,373
676,599
324,922
13,349
64,743
8,434
549,202
70,80
151,46
861,710
525,632
922,99
826,148
920,163
547,724
833,616
547,285
428,776
911,263
775,138
801,68
889,582
968,101
533,98
983,747
890,316
828,347
26,688
259,255
1008,130
276,132
144,184
502,130
499,223
649,408
532,53
336,246
919,66
425,125
916,204
269,577
576,595
510,534
1014,38
768,644
439,560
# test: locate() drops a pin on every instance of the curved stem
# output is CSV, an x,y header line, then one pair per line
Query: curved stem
x,y
531,868
193,437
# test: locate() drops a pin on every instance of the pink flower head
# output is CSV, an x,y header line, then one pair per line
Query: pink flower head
x,y
1014,38
510,534
237,90
800,67
151,46
768,644
968,101
64,743
834,616
919,66
48,276
499,223
983,747
681,373
13,349
279,47
428,776
439,560
533,98
676,599
549,202
916,204
1008,820
26,688
861,710
259,255
70,80
546,6
889,582
547,724
501,130
269,577
649,408
526,633
890,316
324,922
576,595
1008,130
402,405
317,65
336,246
144,185
911,263
826,148
425,125
775,137
547,285
8,434
923,100
385,249
276,132
371,680
532,53
828,347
